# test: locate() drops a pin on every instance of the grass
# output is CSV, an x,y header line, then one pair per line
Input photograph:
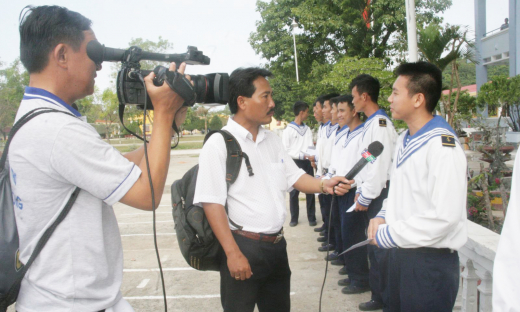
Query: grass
x,y
181,146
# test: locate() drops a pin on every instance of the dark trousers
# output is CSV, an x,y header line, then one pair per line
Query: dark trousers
x,y
269,286
353,225
419,281
336,224
378,257
294,203
325,201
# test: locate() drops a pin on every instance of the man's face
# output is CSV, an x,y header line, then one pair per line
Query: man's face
x,y
357,100
259,108
334,114
326,111
317,112
305,114
343,114
401,103
81,69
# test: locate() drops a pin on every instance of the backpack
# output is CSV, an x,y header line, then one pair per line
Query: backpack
x,y
12,270
197,243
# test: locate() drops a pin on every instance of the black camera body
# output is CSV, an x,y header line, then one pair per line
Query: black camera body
x,y
209,88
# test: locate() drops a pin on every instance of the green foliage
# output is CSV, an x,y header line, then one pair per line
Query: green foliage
x,y
13,81
215,123
192,122
503,92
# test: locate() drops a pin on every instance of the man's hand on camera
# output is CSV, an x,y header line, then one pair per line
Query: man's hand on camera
x,y
164,99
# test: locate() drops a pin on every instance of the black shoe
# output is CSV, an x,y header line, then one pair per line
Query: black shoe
x,y
344,282
370,306
332,256
322,239
324,244
337,262
352,289
329,247
323,233
293,224
313,223
343,271
321,228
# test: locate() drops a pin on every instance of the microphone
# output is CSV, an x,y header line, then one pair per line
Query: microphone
x,y
374,150
98,53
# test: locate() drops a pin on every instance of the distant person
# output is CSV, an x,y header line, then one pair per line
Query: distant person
x,y
505,25
297,138
254,268
423,221
506,275
81,266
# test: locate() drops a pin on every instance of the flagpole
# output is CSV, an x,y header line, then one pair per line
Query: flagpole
x,y
411,27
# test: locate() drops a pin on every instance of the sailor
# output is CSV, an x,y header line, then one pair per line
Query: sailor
x,y
423,221
373,180
296,139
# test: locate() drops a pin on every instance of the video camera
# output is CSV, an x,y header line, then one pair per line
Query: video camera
x,y
209,88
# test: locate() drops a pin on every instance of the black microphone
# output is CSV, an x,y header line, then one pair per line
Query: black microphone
x,y
374,150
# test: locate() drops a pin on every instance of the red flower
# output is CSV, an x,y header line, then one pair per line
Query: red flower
x,y
497,181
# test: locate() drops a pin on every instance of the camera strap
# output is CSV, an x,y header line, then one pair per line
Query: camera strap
x,y
182,86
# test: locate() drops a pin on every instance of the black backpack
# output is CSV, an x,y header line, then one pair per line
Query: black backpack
x,y
198,244
12,270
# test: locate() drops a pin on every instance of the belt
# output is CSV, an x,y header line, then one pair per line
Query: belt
x,y
427,250
270,238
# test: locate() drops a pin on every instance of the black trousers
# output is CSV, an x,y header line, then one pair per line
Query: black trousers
x,y
325,201
353,225
378,257
269,286
419,281
336,224
294,203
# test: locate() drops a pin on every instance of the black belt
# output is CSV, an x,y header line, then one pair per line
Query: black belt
x,y
427,250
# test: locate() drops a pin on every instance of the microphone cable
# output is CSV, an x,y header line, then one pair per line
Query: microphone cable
x,y
328,243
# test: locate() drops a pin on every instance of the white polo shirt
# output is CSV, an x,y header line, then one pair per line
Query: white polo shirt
x,y
255,202
81,266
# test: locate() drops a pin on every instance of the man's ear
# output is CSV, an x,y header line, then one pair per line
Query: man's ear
x,y
419,100
241,101
60,55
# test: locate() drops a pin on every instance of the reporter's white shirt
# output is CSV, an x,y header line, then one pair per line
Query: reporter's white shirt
x,y
81,266
255,202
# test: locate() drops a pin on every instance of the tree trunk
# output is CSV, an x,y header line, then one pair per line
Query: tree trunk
x,y
485,191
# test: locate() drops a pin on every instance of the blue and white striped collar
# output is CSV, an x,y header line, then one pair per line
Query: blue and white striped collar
x,y
301,129
331,128
340,133
379,112
32,93
412,143
352,134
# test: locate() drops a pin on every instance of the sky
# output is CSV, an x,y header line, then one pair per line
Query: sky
x,y
219,28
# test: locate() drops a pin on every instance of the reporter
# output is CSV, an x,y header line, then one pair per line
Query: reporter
x,y
81,266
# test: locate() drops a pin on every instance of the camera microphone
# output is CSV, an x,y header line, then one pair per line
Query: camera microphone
x,y
374,150
98,53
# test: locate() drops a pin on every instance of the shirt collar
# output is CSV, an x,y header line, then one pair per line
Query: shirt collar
x,y
243,132
342,128
378,112
37,93
435,122
297,125
358,127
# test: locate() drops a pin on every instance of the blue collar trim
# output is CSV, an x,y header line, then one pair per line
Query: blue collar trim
x,y
352,134
377,113
341,133
300,129
330,129
412,143
32,93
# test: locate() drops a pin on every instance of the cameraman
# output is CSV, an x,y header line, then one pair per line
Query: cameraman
x,y
81,266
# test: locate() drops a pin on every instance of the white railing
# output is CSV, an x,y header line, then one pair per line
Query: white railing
x,y
476,260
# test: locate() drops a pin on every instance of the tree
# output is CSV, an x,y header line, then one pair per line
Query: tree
x,y
503,92
203,113
13,81
215,123
192,122
109,107
434,41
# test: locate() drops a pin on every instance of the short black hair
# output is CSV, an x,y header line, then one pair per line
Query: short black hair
x,y
43,28
329,97
334,101
241,84
366,84
300,106
425,78
319,99
346,98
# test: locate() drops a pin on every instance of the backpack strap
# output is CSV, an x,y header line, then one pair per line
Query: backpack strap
x,y
233,161
22,121
13,291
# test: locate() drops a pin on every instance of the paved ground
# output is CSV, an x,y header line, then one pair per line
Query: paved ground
x,y
191,290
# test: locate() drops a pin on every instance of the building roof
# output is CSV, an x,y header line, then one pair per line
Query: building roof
x,y
472,89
